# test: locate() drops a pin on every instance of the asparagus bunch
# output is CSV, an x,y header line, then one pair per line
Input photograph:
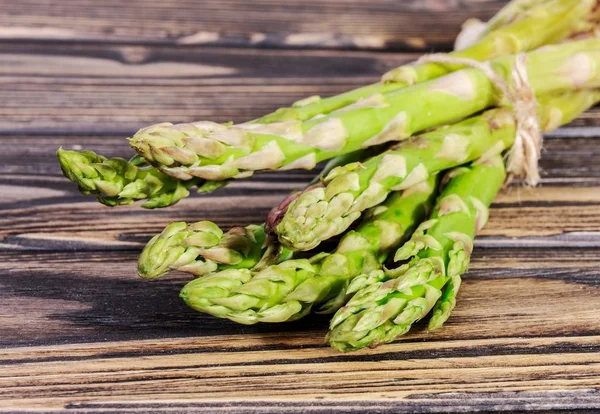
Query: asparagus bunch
x,y
437,254
289,290
253,275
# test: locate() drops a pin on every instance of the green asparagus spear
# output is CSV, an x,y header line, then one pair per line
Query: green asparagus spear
x,y
117,181
215,152
324,212
514,11
438,254
289,290
501,40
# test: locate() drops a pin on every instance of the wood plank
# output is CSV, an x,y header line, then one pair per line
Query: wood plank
x,y
526,343
65,223
202,376
119,89
77,89
80,332
369,24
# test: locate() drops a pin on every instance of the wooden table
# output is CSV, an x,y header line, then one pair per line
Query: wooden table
x,y
81,333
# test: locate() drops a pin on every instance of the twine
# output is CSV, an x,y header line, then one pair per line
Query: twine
x,y
522,159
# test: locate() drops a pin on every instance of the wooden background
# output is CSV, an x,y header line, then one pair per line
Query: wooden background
x,y
80,332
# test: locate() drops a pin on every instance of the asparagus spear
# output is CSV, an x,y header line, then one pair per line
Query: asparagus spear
x,y
216,152
513,11
439,253
117,181
289,290
554,20
324,212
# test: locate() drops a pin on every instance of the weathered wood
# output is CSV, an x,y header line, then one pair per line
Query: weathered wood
x,y
80,332
369,24
119,89
413,378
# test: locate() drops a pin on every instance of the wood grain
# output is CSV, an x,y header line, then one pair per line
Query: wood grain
x,y
49,89
81,333
370,24
58,89
67,271
56,297
415,372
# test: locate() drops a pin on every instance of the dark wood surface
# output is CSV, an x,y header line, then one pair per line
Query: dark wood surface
x,y
356,24
79,332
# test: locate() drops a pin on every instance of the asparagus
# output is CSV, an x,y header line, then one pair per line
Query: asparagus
x,y
324,212
521,25
437,254
513,11
116,181
289,290
217,152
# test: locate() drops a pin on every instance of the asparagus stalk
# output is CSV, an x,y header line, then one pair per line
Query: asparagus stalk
x,y
324,212
438,252
216,152
519,26
116,181
513,11
289,290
